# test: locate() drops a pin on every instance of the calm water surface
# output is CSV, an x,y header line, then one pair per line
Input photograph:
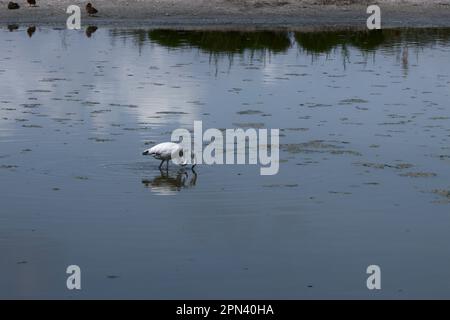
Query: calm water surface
x,y
364,171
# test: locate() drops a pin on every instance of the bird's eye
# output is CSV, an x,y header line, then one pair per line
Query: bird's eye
x,y
181,153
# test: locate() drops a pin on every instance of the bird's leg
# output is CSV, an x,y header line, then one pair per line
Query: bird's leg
x,y
160,165
194,179
166,168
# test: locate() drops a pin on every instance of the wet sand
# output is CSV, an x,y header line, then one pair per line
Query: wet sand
x,y
234,14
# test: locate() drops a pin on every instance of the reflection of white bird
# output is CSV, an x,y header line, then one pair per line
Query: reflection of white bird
x,y
167,151
169,184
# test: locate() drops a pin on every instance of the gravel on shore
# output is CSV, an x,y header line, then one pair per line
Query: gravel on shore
x,y
233,14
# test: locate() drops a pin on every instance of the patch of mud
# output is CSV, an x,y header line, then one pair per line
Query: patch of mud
x,y
352,101
8,166
318,146
249,112
443,193
255,125
280,185
96,139
418,174
171,112
399,166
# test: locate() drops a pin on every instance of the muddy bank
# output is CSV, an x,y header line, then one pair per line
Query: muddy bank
x,y
233,14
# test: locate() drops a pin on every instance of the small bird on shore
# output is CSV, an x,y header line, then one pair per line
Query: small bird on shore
x,y
32,3
31,30
13,27
165,152
90,9
13,5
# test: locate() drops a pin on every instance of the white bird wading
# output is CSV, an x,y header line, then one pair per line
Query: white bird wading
x,y
168,151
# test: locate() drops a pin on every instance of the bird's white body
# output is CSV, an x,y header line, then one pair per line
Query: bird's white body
x,y
164,151
167,151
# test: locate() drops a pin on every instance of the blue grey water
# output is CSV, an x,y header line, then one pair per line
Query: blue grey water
x,y
364,164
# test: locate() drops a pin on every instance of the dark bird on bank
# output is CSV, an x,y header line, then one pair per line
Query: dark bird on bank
x,y
13,5
31,30
90,30
32,3
90,9
13,27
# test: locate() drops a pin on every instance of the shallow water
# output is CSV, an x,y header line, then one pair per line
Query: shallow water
x,y
364,169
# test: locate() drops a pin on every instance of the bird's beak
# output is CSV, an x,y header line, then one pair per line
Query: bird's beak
x,y
145,153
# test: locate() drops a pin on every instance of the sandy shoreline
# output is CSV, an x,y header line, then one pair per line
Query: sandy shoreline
x,y
232,14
